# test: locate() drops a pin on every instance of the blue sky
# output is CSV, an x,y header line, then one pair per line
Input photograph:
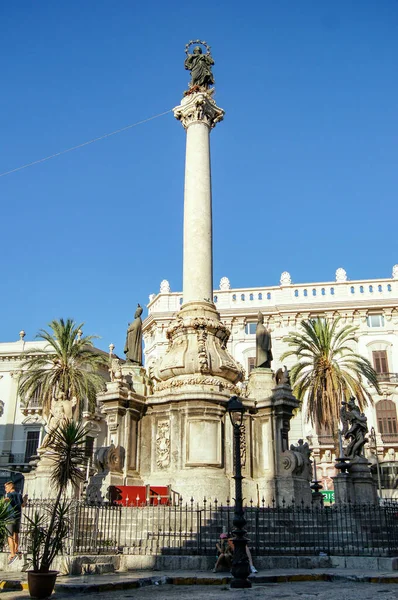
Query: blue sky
x,y
304,165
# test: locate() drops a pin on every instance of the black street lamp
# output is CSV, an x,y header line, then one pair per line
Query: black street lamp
x,y
240,561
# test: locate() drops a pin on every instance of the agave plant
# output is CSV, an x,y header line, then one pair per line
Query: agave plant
x,y
328,370
68,364
47,532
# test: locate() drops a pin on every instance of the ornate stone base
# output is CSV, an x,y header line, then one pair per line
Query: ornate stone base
x,y
357,485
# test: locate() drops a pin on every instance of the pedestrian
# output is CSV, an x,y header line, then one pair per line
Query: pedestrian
x,y
225,551
16,503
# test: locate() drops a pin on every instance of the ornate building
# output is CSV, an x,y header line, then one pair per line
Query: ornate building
x,y
22,424
372,305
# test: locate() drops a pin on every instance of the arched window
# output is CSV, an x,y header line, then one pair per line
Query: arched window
x,y
323,291
296,293
215,299
242,297
305,293
251,297
389,287
181,300
379,287
234,297
352,290
314,292
386,413
268,296
260,296
332,291
371,289
361,289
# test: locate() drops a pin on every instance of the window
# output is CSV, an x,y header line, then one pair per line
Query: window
x,y
215,299
332,291
371,289
380,362
260,296
251,297
386,417
234,297
89,447
181,301
296,293
323,291
375,321
389,288
242,297
305,293
314,292
250,328
251,364
352,290
361,289
32,443
268,296
380,288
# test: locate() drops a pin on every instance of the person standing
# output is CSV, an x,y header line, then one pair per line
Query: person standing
x,y
16,503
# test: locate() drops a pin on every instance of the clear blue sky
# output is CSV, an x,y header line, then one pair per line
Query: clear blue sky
x,y
304,166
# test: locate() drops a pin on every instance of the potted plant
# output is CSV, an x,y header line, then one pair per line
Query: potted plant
x,y
47,532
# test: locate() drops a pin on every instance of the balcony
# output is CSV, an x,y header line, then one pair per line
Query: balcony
x,y
387,377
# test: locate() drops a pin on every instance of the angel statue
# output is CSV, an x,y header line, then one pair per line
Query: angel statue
x,y
200,66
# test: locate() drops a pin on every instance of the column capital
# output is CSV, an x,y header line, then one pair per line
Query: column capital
x,y
199,107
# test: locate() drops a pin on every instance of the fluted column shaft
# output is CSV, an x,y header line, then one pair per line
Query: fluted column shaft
x,y
198,113
198,261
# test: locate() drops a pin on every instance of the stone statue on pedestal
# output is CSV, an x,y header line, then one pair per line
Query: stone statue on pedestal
x,y
200,66
357,430
263,344
133,346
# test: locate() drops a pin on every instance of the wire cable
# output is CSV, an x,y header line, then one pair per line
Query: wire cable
x,y
97,139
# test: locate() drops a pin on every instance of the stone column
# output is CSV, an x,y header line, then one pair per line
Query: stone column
x,y
198,114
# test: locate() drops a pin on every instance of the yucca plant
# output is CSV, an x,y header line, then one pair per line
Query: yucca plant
x,y
68,364
47,533
328,370
6,517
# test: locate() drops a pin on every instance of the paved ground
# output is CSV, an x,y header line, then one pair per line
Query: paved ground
x,y
288,591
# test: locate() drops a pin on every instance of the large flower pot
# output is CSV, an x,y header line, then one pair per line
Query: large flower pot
x,y
41,585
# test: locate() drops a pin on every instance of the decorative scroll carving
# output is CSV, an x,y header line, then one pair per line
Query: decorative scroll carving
x,y
110,458
163,444
197,380
202,352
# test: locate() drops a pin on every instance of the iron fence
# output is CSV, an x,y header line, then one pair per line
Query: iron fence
x,y
193,529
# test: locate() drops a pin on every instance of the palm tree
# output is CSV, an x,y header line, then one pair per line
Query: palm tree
x,y
328,370
68,364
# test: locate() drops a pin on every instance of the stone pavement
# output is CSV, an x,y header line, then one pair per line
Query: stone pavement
x,y
312,590
97,584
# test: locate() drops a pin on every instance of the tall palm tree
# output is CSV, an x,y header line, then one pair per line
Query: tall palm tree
x,y
68,364
328,370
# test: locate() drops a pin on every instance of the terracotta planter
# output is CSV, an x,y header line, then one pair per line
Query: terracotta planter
x,y
41,585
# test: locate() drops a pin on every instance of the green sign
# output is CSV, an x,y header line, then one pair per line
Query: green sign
x,y
328,495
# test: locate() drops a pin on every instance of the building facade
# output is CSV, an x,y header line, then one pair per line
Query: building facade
x,y
22,423
371,305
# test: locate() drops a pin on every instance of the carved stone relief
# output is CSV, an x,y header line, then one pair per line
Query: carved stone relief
x,y
163,444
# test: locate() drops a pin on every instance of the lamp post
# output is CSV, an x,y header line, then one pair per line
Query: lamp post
x,y
240,562
374,443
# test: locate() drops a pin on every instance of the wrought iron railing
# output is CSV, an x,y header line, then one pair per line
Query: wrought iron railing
x,y
387,377
193,529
